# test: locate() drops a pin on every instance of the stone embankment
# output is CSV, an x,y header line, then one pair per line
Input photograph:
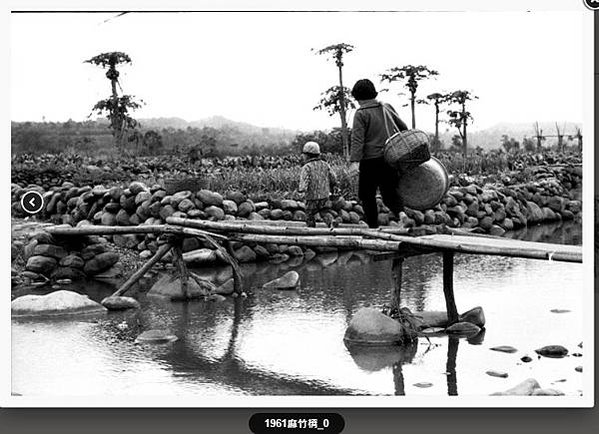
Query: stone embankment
x,y
490,208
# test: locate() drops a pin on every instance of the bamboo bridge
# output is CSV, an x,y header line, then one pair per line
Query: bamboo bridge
x,y
384,243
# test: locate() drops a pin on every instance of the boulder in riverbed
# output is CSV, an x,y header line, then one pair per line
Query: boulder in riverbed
x,y
226,288
170,287
547,392
371,327
289,280
100,263
498,374
155,337
463,329
41,264
504,349
474,316
526,388
56,303
552,351
120,303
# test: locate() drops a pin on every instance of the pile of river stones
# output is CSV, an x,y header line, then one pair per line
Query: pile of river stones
x,y
65,260
492,209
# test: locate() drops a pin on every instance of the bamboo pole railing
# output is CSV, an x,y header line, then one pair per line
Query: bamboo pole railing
x,y
124,230
355,238
350,242
294,228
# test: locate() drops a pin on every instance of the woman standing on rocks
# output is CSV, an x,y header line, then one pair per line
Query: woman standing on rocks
x,y
368,137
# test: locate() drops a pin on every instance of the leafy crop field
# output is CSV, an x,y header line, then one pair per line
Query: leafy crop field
x,y
258,176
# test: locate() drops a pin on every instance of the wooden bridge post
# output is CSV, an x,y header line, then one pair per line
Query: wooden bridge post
x,y
397,270
162,250
452,311
181,267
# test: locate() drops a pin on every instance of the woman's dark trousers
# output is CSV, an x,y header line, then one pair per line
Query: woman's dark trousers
x,y
375,173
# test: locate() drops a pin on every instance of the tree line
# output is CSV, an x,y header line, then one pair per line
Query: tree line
x,y
336,100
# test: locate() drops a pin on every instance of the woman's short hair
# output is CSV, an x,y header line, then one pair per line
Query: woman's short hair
x,y
364,89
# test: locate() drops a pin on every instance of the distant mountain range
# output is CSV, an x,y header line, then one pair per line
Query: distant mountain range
x,y
490,138
242,133
217,122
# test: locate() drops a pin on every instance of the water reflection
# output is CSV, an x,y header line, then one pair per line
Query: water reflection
x,y
561,232
290,342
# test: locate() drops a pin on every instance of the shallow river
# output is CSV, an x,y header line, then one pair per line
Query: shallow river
x,y
291,342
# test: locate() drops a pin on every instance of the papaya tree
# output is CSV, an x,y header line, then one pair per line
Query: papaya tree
x,y
539,136
337,100
460,118
116,108
436,99
339,97
560,137
410,76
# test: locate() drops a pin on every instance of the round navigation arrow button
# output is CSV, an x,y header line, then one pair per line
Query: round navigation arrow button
x,y
32,202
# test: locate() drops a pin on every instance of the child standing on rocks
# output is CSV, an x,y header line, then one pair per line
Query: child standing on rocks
x,y
317,182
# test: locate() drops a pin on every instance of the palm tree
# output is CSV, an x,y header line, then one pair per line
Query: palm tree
x,y
437,99
411,75
460,118
338,51
117,107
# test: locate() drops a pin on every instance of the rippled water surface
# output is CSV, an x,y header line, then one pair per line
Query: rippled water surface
x,y
291,342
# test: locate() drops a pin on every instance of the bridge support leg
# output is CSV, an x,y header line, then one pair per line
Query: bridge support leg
x,y
397,270
182,268
452,311
162,250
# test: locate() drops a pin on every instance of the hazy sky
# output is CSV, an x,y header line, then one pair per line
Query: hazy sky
x,y
259,68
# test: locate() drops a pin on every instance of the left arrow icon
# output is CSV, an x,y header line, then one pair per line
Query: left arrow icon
x,y
32,202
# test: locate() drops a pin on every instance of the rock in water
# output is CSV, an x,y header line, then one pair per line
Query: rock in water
x,y
547,392
505,349
155,337
370,327
526,359
478,338
41,264
423,384
553,351
433,318
120,303
559,311
578,369
289,280
101,262
462,328
226,288
432,330
498,374
474,316
216,297
53,304
170,287
526,388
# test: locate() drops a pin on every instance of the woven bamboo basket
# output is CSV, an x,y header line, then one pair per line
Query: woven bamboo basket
x,y
405,150
424,186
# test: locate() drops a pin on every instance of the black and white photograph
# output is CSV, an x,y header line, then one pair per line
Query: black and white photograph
x,y
348,206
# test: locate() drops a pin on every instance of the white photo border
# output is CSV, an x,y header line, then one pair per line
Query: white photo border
x,y
586,400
